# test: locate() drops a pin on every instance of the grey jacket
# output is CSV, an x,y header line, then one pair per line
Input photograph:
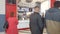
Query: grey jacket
x,y
36,24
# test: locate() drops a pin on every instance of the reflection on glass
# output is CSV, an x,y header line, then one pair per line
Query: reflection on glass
x,y
24,13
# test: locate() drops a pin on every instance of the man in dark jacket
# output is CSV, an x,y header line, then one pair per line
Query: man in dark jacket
x,y
53,19
36,25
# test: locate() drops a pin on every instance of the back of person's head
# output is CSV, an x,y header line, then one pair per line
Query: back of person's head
x,y
11,14
57,4
36,7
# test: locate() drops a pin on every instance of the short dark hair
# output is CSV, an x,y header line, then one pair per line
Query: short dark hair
x,y
57,4
36,7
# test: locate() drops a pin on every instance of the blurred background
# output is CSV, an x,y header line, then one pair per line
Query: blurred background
x,y
22,10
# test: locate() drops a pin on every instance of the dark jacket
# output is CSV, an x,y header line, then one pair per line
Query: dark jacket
x,y
53,20
36,24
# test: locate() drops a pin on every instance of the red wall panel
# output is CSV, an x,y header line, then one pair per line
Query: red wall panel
x,y
52,3
10,8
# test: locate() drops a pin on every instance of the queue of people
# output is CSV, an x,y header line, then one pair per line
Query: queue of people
x,y
37,23
52,20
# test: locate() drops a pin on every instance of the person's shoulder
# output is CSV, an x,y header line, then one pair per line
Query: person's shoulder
x,y
52,9
32,14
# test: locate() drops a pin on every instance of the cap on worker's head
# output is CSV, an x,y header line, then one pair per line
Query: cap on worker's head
x,y
57,4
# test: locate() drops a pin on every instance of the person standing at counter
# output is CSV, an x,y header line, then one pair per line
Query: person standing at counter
x,y
53,19
12,22
36,25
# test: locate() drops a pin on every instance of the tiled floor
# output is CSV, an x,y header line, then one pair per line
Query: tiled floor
x,y
28,32
2,33
25,32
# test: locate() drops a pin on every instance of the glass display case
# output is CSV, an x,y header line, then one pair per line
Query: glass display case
x,y
23,17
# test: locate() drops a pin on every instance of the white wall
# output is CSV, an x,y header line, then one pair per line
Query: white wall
x,y
45,6
2,6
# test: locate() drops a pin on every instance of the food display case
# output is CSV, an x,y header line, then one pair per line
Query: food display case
x,y
23,17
